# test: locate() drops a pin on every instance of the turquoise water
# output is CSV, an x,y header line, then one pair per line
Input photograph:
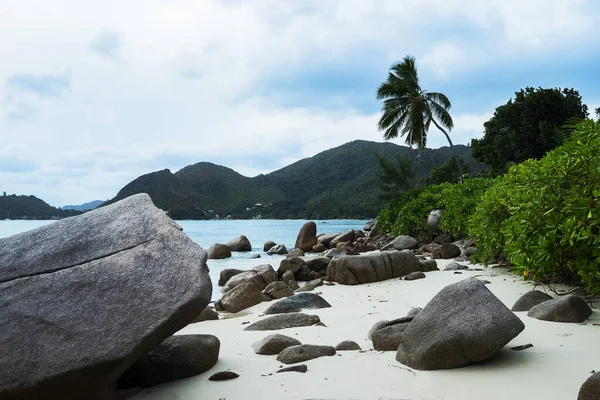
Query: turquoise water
x,y
206,233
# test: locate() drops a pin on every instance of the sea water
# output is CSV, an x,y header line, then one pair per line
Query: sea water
x,y
207,233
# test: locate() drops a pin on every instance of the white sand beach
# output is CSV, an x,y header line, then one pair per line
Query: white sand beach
x,y
561,359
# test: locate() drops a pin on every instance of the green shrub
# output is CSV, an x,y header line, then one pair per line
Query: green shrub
x,y
544,214
408,214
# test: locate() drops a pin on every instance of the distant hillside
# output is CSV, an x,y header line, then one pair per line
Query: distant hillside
x,y
30,207
337,183
85,206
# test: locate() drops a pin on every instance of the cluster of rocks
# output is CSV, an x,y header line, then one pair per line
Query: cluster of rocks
x,y
540,305
223,250
92,302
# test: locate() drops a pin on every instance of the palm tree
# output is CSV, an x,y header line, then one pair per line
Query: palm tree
x,y
408,110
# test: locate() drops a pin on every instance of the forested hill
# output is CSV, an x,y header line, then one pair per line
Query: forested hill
x,y
337,183
30,207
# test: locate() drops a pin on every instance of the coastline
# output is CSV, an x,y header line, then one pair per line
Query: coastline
x,y
561,359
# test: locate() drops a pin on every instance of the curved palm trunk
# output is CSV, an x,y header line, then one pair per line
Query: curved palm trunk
x,y
460,170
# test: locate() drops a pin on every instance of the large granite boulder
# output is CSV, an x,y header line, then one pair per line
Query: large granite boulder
x,y
279,249
464,323
269,244
326,239
372,267
590,390
530,299
240,243
292,264
218,251
343,238
242,296
86,297
570,308
386,335
178,357
260,276
283,321
307,237
298,302
402,242
449,250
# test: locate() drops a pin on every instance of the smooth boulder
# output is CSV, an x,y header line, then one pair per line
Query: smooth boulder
x,y
240,297
307,237
402,242
372,267
386,335
178,357
590,390
208,314
413,276
260,276
274,344
278,249
227,274
240,243
87,296
304,352
283,321
570,308
529,300
449,250
347,345
298,302
464,323
277,290
218,251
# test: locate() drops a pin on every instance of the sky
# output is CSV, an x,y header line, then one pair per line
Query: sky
x,y
94,94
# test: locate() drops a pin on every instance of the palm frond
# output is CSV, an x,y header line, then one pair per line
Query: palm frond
x,y
439,98
442,115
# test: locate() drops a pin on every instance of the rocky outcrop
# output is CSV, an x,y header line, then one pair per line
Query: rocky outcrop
x,y
278,249
227,274
569,308
402,243
464,323
260,276
307,237
218,251
298,302
277,290
178,357
295,253
283,321
372,267
304,352
242,296
86,297
529,300
268,245
240,243
274,344
349,235
326,239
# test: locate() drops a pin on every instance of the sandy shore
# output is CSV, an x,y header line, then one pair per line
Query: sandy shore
x,y
560,361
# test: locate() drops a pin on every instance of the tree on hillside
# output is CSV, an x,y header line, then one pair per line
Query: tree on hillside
x,y
527,127
447,172
395,178
408,110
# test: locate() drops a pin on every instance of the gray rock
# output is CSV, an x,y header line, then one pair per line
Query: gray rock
x,y
218,251
304,274
386,336
227,274
568,308
414,276
268,245
302,368
590,390
318,248
241,297
469,251
325,240
260,276
87,296
372,267
347,345
283,321
428,265
178,357
317,263
433,220
464,323
342,238
304,352
298,302
274,344
288,276
278,249
530,299
311,285
454,266
240,243
296,253
293,284
333,253
208,314
402,243
292,264
443,238
307,237
223,376
277,290
449,250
